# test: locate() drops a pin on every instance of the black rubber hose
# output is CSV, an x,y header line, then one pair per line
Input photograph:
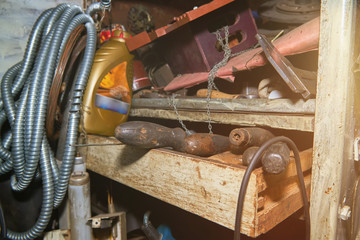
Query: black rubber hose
x,y
256,159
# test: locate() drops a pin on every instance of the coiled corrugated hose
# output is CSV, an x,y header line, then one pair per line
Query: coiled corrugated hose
x,y
25,152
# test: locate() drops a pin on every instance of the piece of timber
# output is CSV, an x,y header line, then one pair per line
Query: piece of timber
x,y
281,121
204,186
276,106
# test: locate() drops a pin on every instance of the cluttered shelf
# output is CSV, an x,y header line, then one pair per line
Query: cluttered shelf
x,y
278,113
207,187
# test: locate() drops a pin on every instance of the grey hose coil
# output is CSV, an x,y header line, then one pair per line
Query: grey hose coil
x,y
25,151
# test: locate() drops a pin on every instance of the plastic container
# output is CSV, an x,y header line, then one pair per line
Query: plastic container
x,y
107,97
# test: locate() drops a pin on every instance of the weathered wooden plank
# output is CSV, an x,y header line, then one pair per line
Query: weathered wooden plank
x,y
305,156
16,21
280,201
198,185
59,234
290,106
290,171
207,187
334,171
281,121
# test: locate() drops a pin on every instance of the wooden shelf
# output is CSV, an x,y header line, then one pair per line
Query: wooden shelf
x,y
207,187
280,113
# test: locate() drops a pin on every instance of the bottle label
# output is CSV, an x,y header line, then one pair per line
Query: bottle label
x,y
111,104
113,93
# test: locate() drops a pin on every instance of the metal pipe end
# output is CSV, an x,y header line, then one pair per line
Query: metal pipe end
x,y
105,4
238,137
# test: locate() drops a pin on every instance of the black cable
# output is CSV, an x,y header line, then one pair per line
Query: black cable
x,y
251,167
2,223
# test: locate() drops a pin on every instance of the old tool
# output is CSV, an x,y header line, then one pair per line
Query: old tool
x,y
202,93
249,154
247,94
242,138
152,135
302,39
275,159
298,80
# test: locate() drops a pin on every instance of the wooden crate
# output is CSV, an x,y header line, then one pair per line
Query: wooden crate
x,y
207,187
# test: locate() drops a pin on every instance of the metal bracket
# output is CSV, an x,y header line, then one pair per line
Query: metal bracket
x,y
116,221
105,220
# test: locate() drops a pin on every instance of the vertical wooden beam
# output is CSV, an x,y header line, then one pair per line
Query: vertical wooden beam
x,y
334,124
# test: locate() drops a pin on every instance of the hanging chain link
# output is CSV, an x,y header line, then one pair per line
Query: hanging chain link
x,y
224,42
172,103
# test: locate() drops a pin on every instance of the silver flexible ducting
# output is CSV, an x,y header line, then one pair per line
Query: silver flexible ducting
x,y
98,6
25,151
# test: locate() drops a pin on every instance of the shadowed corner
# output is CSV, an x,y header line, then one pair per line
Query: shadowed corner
x,y
130,155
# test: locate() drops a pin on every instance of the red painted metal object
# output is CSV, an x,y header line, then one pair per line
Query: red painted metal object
x,y
144,38
301,39
195,48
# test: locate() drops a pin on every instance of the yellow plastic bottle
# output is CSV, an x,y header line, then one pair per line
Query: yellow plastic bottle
x,y
107,97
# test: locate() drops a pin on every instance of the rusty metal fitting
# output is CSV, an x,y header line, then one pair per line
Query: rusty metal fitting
x,y
251,136
239,137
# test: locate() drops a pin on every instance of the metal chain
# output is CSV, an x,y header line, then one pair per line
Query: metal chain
x,y
213,71
224,43
173,104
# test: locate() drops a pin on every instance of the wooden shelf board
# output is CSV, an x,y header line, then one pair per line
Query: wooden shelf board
x,y
280,121
203,186
276,106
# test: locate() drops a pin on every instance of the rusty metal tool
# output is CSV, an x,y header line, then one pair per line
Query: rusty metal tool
x,y
202,93
248,155
302,39
299,80
242,138
274,160
151,135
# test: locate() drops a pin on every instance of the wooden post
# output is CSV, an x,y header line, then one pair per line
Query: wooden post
x,y
334,120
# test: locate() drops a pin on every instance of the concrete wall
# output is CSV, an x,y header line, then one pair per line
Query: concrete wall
x,y
16,20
